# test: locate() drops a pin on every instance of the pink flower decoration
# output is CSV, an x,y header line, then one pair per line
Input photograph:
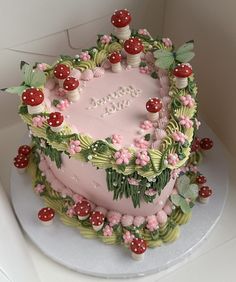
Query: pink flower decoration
x,y
193,168
39,188
143,31
84,56
185,121
140,143
162,123
116,139
38,121
172,159
61,92
161,217
187,101
152,223
142,158
167,42
105,39
123,156
179,137
175,173
128,237
74,147
138,220
113,218
133,181
42,66
70,212
107,231
127,220
147,124
62,105
150,192
144,70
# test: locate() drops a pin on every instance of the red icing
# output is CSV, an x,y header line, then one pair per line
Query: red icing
x,y
61,71
114,57
133,45
21,161
154,105
121,18
182,70
138,246
55,119
201,179
206,144
46,214
205,192
24,150
70,83
82,208
32,96
97,218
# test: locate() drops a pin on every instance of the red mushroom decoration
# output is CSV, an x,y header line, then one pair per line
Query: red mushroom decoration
x,y
138,247
181,73
120,20
206,144
201,179
133,47
21,162
204,194
56,121
46,215
82,209
71,85
195,144
33,98
97,220
115,59
61,72
153,106
24,150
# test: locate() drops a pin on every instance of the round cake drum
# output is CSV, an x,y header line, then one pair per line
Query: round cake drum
x,y
65,245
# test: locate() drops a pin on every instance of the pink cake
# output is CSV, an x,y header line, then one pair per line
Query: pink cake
x,y
112,137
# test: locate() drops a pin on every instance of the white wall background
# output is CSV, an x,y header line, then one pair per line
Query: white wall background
x,y
34,30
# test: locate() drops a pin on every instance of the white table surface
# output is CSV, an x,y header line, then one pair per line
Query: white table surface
x,y
214,261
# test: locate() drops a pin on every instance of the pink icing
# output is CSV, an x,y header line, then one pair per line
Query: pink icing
x,y
74,147
98,72
152,223
77,198
102,210
87,75
127,220
185,121
141,143
105,39
167,42
138,220
42,66
116,139
172,159
107,231
187,101
39,188
122,156
84,56
147,124
161,217
113,217
75,73
128,237
142,158
50,83
62,105
38,121
179,137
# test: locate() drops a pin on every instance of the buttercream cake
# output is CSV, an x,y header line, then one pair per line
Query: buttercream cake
x,y
114,149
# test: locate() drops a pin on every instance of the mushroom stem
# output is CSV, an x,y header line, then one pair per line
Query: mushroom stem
x,y
97,227
60,82
35,109
133,59
57,128
21,170
80,217
123,33
73,95
116,67
47,223
203,200
153,116
181,82
137,256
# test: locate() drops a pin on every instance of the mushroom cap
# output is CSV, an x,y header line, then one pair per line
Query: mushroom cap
x,y
32,96
206,144
70,83
182,70
114,57
195,144
46,214
133,45
138,246
24,150
97,218
61,71
154,105
205,192
82,208
55,119
121,18
21,161
201,179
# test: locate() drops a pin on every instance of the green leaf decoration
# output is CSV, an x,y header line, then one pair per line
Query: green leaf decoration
x,y
164,59
184,205
16,90
184,54
22,63
33,77
183,183
176,200
192,192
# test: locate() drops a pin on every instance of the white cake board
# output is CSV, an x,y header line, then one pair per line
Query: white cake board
x,y
65,245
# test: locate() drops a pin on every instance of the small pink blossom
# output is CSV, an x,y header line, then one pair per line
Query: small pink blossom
x,y
116,139
42,66
175,173
38,121
61,92
172,159
127,220
185,121
187,101
141,143
144,70
143,31
142,158
113,218
39,188
84,56
179,137
105,39
150,192
193,168
62,105
128,237
70,212
74,147
197,123
107,231
184,169
138,220
152,223
147,124
122,156
133,181
167,42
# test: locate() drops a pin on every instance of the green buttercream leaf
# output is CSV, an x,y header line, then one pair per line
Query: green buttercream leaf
x,y
183,183
23,110
192,192
176,200
33,77
184,206
22,63
184,54
16,90
186,47
186,57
